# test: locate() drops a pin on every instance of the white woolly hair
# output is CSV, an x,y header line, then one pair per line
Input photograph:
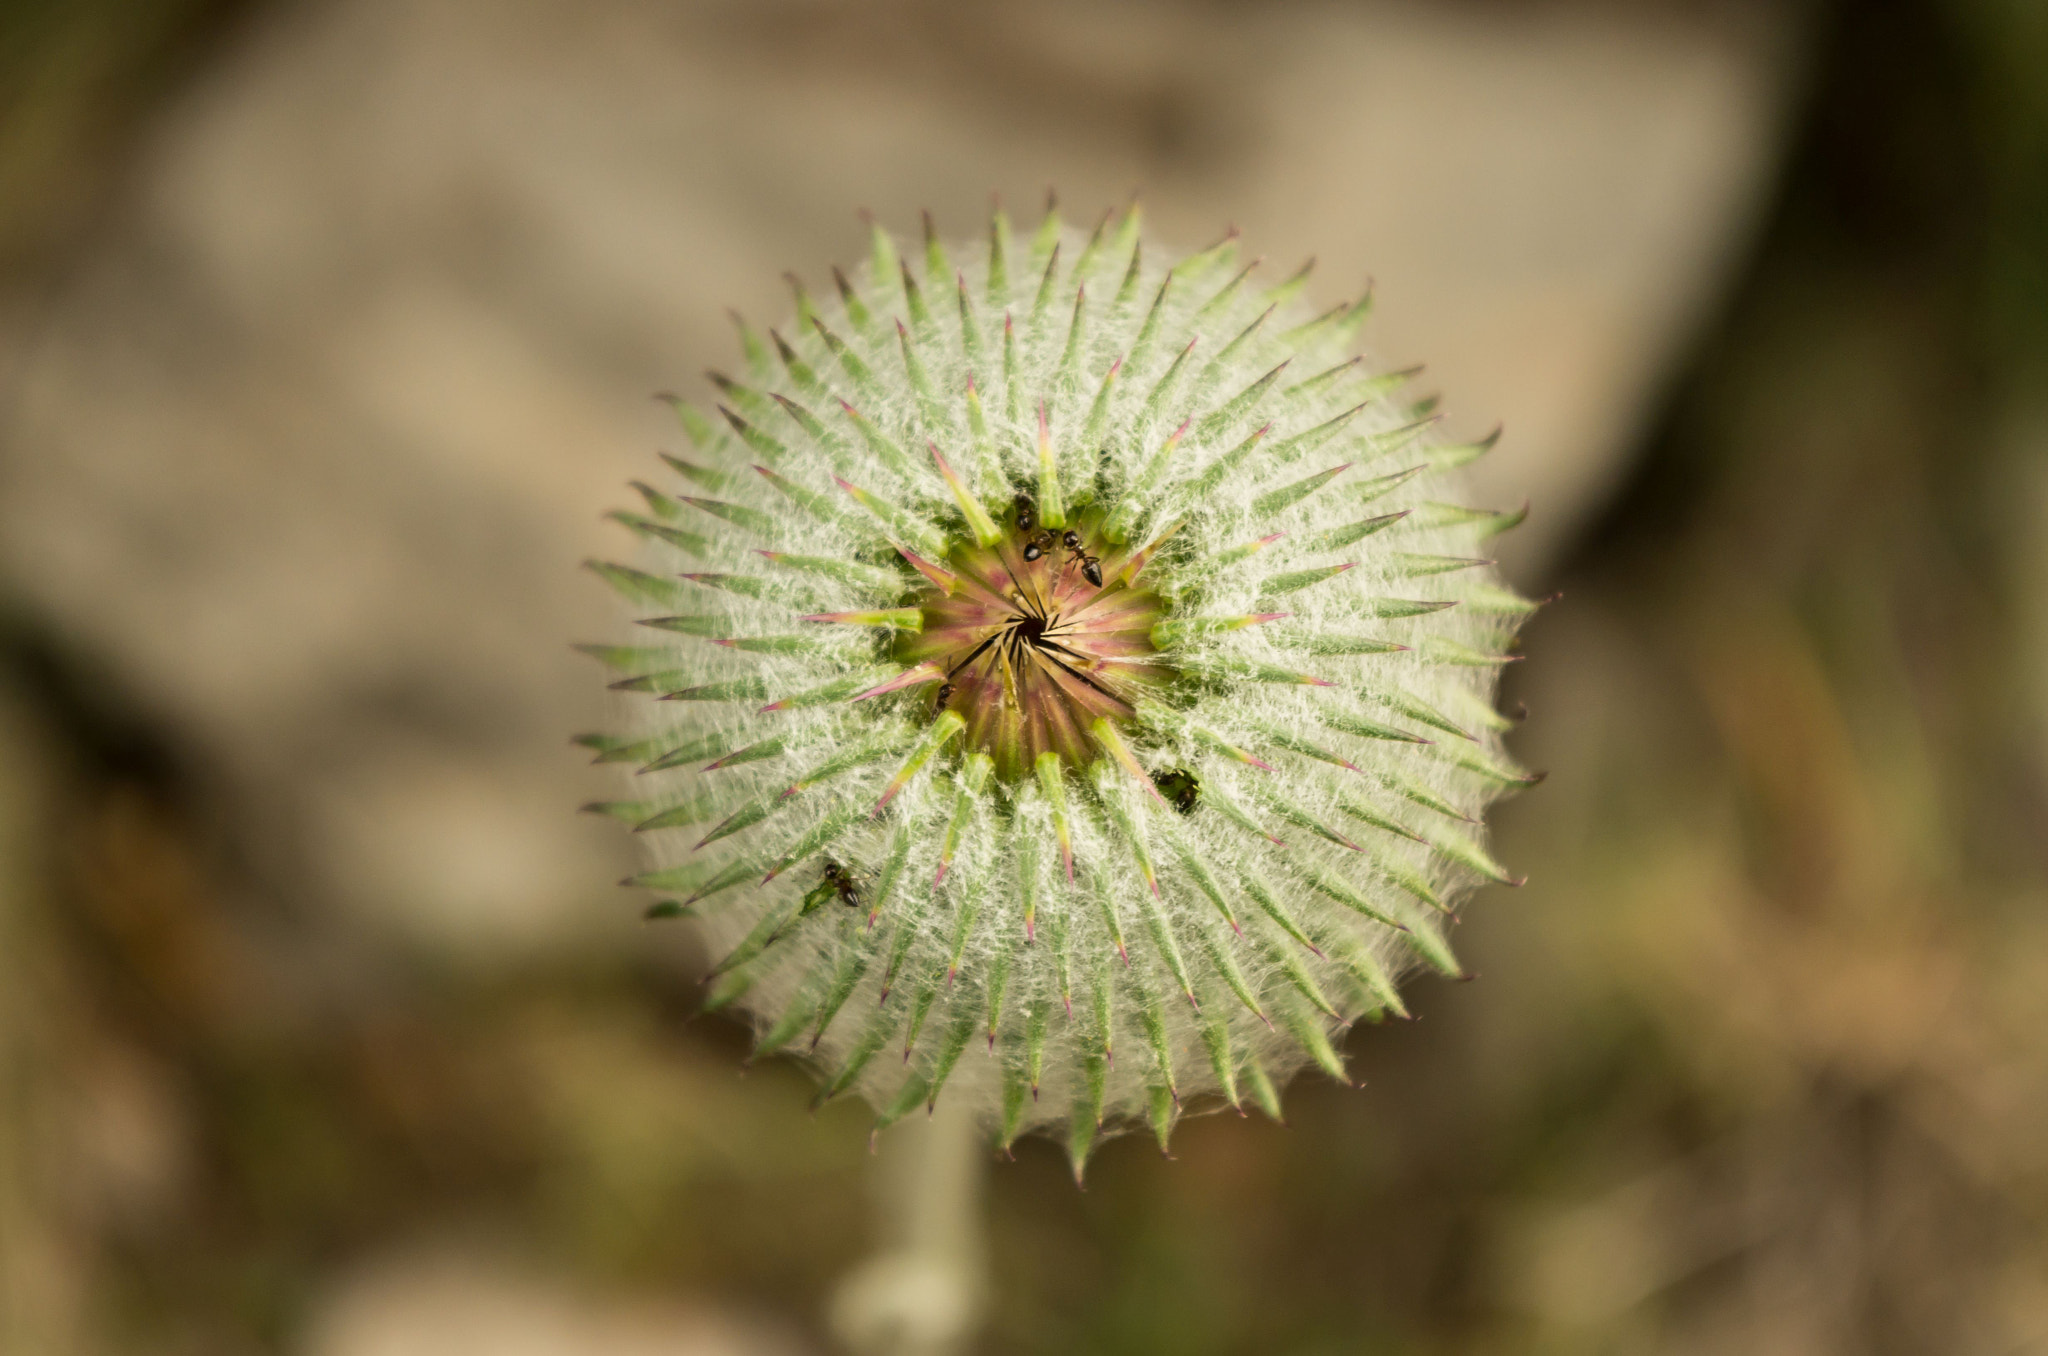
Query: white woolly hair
x,y
1208,942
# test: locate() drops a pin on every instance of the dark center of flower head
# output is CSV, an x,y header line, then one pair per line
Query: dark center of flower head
x,y
1037,638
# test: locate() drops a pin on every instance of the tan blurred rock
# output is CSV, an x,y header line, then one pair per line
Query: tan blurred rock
x,y
442,1303
305,457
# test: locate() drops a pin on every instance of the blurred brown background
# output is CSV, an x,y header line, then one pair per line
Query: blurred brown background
x,y
326,328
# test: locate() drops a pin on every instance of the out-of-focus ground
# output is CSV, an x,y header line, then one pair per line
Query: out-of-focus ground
x,y
325,329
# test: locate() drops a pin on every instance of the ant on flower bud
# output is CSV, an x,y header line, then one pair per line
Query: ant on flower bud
x,y
833,880
1091,566
1181,788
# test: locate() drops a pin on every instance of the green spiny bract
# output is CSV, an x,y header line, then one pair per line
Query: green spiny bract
x,y
1064,682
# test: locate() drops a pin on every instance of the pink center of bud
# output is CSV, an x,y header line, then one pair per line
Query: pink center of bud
x,y
1040,636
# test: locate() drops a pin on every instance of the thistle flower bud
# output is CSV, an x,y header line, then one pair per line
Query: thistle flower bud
x,y
1065,682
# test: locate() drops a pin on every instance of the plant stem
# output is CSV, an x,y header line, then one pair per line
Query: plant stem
x,y
921,1292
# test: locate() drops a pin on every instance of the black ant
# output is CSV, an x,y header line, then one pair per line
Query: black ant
x,y
945,695
1091,566
833,879
1181,788
1038,542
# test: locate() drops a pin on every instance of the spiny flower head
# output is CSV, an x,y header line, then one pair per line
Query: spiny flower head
x,y
1065,682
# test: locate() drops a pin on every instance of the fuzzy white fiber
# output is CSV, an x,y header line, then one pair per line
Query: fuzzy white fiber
x,y
1343,753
